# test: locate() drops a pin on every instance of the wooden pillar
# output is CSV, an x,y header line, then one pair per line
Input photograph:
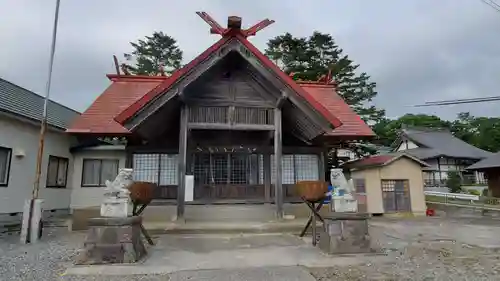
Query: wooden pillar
x,y
278,188
129,157
267,176
182,162
323,165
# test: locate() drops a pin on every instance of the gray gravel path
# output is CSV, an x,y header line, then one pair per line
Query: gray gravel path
x,y
428,249
419,250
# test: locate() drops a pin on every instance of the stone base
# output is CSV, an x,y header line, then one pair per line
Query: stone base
x,y
113,240
345,233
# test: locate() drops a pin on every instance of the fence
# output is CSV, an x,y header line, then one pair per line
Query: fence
x,y
465,180
461,199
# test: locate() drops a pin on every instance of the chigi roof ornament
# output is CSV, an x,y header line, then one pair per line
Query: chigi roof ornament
x,y
233,25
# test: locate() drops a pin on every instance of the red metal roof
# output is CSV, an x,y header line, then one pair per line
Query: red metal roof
x,y
136,106
128,94
380,160
367,162
376,160
123,91
352,124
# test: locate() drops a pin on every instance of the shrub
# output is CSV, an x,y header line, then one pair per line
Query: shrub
x,y
474,192
486,192
454,182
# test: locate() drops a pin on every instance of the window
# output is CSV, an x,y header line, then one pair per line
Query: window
x,y
396,195
97,171
5,156
157,168
360,189
57,172
360,185
296,167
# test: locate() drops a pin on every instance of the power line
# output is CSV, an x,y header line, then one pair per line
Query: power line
x,y
459,101
492,4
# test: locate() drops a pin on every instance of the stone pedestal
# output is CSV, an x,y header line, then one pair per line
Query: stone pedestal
x,y
344,204
113,240
116,207
345,233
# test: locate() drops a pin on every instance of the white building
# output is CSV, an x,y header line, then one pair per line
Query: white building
x,y
444,153
20,114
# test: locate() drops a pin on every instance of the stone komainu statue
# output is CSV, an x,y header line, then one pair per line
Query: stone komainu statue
x,y
141,194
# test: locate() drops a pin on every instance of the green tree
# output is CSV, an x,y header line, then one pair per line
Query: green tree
x,y
154,53
482,132
313,57
387,130
453,182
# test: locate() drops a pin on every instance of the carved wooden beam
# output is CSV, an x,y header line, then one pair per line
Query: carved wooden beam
x,y
258,27
215,27
117,66
233,23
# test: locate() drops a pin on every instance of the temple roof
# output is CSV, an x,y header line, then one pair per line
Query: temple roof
x,y
129,94
440,142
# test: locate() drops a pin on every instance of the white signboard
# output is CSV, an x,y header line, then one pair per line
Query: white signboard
x,y
189,189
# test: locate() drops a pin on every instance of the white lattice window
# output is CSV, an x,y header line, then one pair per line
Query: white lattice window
x,y
169,169
306,167
298,167
157,168
146,167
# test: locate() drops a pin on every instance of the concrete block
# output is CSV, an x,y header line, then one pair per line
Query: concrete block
x,y
113,240
31,229
345,235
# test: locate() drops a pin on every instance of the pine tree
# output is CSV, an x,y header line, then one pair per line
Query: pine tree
x,y
313,57
153,55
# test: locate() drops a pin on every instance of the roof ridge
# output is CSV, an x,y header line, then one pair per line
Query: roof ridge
x,y
38,95
427,129
228,36
123,77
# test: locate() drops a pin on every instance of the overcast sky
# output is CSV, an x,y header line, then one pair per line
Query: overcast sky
x,y
415,50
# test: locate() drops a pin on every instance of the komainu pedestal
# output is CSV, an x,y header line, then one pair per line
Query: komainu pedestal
x,y
113,240
345,233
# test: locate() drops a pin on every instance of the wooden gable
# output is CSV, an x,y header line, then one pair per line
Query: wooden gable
x,y
229,82
250,84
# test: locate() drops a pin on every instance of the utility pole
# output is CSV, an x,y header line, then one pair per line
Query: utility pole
x,y
32,212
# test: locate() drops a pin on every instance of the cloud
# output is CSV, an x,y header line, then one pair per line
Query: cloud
x,y
416,50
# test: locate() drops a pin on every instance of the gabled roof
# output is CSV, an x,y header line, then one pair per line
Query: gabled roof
x,y
167,84
128,95
380,160
124,90
352,124
491,162
24,103
439,142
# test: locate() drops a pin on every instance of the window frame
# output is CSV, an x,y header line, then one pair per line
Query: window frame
x,y
359,182
59,159
7,170
82,184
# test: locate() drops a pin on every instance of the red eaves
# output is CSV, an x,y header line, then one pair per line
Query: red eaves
x,y
136,106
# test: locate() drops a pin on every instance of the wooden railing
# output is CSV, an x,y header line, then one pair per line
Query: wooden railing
x,y
231,115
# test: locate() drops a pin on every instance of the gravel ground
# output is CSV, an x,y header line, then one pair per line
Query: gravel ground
x,y
422,250
419,250
48,260
423,261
